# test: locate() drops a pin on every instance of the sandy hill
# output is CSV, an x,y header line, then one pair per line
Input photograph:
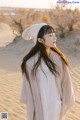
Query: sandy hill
x,y
11,79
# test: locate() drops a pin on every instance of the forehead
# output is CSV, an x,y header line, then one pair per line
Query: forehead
x,y
49,29
52,33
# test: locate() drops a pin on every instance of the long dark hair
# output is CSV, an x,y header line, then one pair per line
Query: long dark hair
x,y
39,47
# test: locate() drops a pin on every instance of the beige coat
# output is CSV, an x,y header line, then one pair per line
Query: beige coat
x,y
63,82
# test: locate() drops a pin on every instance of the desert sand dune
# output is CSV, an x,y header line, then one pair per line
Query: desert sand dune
x,y
11,77
6,34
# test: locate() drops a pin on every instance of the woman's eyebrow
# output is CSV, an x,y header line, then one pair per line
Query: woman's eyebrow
x,y
52,33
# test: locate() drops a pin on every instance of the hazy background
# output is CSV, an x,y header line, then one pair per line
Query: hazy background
x,y
15,16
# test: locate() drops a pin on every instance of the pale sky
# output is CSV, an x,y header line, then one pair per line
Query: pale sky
x,y
35,3
26,3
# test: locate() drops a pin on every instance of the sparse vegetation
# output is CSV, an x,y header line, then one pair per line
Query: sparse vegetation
x,y
62,19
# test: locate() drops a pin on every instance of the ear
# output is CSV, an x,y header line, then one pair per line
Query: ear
x,y
40,40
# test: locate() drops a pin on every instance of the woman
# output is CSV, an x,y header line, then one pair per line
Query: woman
x,y
47,89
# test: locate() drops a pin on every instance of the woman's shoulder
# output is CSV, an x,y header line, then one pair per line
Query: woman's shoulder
x,y
56,56
57,59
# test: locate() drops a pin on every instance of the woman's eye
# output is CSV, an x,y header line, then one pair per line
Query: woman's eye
x,y
50,35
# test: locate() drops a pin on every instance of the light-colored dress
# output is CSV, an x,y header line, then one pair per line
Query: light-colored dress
x,y
50,97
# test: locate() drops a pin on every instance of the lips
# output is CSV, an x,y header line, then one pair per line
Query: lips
x,y
54,41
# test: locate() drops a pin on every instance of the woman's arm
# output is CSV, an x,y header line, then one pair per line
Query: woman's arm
x,y
25,86
68,97
26,97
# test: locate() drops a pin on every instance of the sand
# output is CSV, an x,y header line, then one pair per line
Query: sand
x,y
6,34
11,77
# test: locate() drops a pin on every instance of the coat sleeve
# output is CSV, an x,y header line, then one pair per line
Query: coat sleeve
x,y
23,94
26,97
68,97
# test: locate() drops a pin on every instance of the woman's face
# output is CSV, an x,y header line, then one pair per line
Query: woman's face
x,y
49,40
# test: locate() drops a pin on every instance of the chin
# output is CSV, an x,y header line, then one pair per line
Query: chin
x,y
53,45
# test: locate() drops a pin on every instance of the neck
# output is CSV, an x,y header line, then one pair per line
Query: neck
x,y
48,50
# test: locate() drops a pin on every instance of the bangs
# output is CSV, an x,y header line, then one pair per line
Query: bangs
x,y
46,29
49,29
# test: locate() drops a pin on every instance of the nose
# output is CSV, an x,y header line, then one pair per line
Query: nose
x,y
54,40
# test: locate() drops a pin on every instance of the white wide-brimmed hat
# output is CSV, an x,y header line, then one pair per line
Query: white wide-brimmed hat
x,y
31,32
